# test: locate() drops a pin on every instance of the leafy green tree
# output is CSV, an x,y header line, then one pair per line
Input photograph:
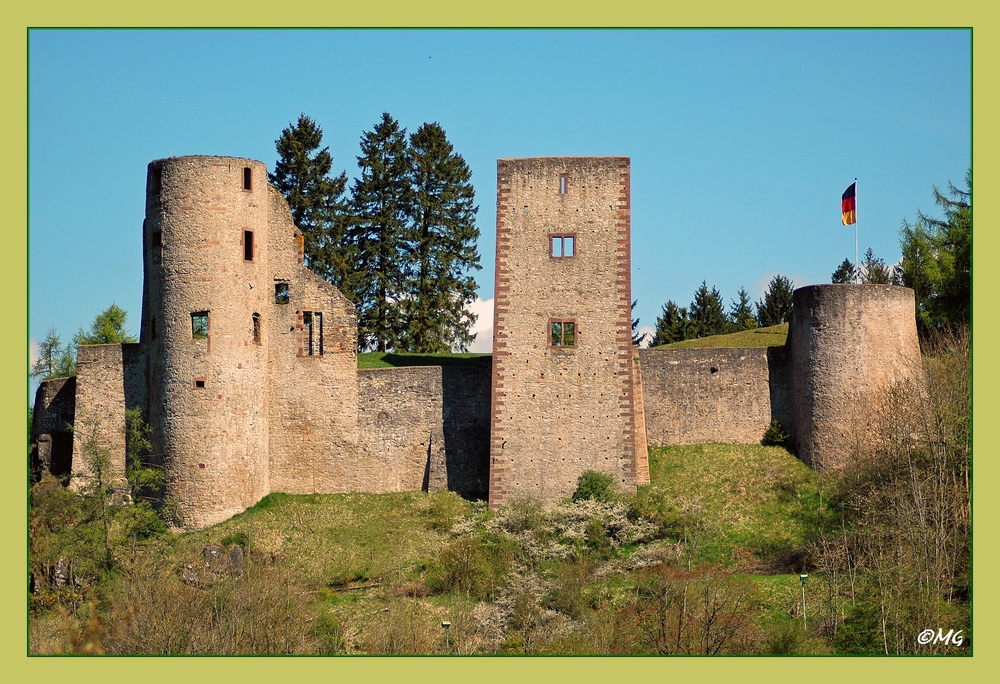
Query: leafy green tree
x,y
776,307
316,198
108,328
707,313
937,260
383,203
672,325
741,314
441,247
844,274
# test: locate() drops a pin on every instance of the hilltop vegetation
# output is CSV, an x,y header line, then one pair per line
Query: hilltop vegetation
x,y
771,336
703,560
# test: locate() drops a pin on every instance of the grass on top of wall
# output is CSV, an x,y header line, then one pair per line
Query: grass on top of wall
x,y
772,336
397,359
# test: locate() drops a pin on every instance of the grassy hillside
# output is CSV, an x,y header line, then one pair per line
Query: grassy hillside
x,y
376,573
395,359
773,336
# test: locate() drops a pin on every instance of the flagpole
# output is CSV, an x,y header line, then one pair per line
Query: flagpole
x,y
857,266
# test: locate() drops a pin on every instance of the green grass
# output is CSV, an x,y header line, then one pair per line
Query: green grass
x,y
773,336
747,507
397,359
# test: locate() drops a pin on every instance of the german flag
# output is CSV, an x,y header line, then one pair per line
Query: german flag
x,y
847,205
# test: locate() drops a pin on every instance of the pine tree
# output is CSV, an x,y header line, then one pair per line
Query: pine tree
x,y
49,351
741,315
383,203
874,271
303,175
108,328
707,313
441,247
844,274
937,259
637,339
777,304
672,325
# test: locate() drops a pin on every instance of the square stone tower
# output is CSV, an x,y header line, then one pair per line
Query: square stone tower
x,y
566,394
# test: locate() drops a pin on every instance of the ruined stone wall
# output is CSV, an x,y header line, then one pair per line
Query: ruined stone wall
x,y
107,381
51,427
208,395
312,397
560,410
425,428
713,395
401,429
844,341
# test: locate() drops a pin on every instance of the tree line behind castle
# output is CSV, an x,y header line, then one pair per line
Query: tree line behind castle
x,y
401,242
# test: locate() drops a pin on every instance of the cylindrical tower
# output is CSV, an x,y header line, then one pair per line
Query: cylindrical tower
x,y
206,288
845,340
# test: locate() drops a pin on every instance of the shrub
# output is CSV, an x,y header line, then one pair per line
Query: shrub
x,y
595,486
775,435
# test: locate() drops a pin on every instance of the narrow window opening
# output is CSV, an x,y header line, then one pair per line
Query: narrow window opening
x,y
256,328
155,181
152,328
248,245
557,244
569,246
281,295
563,333
247,178
199,383
199,325
563,182
312,327
157,246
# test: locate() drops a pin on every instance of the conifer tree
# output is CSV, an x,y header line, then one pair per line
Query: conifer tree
x,y
441,247
844,274
303,175
707,313
776,306
937,259
741,315
672,325
874,271
382,203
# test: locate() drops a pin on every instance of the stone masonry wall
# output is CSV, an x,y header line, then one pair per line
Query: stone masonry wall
x,y
714,395
560,410
51,423
401,429
100,410
845,341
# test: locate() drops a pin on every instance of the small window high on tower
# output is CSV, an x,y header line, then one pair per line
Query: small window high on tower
x,y
247,178
247,245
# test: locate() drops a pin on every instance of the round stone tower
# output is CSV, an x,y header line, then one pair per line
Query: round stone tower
x,y
845,340
206,285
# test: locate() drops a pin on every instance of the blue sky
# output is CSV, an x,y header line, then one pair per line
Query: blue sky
x,y
741,141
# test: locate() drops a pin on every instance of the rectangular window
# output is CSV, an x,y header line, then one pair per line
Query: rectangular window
x,y
157,246
562,246
199,325
247,245
199,383
281,295
256,328
563,183
247,178
312,333
152,328
563,333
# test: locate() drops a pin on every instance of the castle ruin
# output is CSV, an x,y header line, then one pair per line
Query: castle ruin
x,y
246,366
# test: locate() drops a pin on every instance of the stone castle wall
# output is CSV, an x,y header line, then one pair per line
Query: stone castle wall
x,y
558,411
270,399
713,395
843,342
